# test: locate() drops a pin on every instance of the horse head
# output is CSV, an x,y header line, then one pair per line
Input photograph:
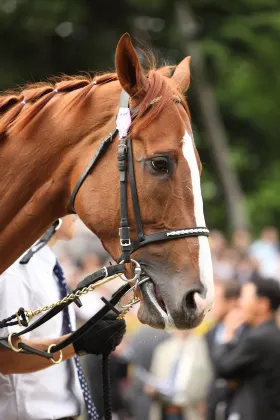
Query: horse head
x,y
49,134
167,179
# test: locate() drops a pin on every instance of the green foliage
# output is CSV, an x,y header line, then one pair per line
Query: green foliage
x,y
240,40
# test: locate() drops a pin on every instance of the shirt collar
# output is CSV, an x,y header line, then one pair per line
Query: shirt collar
x,y
47,256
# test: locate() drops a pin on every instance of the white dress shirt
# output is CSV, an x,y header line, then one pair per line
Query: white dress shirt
x,y
52,393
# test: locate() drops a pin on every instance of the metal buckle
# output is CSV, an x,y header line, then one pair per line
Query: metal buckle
x,y
122,146
125,242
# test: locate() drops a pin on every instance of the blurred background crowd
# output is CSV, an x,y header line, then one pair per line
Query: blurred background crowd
x,y
234,102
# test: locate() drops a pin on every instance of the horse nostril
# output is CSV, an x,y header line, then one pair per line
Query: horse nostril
x,y
189,300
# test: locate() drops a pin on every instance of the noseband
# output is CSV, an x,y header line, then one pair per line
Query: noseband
x,y
126,171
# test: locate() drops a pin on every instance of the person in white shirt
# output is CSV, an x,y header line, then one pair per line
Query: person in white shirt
x,y
53,393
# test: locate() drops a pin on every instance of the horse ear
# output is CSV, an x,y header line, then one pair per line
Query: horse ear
x,y
129,70
182,75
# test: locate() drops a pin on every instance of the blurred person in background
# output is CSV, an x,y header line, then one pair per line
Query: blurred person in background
x,y
225,267
218,243
246,268
83,244
27,389
227,294
266,251
181,372
138,350
224,258
250,362
241,240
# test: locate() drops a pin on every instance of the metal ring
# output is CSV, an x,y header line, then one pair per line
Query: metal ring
x,y
137,271
60,357
59,223
133,288
16,349
136,285
106,271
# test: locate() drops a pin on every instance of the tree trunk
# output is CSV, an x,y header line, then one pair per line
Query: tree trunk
x,y
213,125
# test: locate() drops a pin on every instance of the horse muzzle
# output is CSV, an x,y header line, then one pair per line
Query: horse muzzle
x,y
161,310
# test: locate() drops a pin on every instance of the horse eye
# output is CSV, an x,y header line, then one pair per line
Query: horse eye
x,y
160,164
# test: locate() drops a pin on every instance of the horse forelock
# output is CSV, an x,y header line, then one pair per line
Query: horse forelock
x,y
159,93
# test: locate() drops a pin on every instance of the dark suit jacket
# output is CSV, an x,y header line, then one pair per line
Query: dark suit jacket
x,y
219,393
255,363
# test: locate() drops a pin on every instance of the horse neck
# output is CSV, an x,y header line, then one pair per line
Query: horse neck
x,y
41,163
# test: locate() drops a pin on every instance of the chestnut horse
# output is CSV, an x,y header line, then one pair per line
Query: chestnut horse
x,y
49,133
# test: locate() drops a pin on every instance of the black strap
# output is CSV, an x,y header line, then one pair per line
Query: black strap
x,y
31,350
168,235
7,322
122,166
99,152
124,226
41,242
134,195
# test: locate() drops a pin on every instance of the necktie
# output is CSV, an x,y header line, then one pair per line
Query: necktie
x,y
67,328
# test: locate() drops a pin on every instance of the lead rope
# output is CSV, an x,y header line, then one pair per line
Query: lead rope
x,y
107,396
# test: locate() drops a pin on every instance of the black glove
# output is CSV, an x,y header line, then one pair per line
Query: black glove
x,y
103,337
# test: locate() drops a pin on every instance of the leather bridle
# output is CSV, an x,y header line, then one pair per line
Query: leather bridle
x,y
128,246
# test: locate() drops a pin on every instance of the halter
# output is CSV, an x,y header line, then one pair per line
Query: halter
x,y
126,172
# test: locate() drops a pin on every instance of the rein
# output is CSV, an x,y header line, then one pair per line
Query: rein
x,y
128,246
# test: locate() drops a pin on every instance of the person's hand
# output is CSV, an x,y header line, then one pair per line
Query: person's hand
x,y
201,408
103,337
233,320
150,391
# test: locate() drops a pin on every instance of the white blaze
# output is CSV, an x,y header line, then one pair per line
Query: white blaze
x,y
204,258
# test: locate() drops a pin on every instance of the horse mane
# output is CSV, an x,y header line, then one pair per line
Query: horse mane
x,y
35,96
